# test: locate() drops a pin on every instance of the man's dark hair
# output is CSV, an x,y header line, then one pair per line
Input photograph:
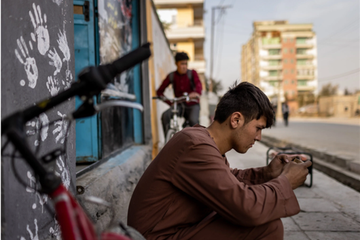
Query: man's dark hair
x,y
247,99
180,56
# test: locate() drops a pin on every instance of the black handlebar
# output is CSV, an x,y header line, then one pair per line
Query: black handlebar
x,y
91,81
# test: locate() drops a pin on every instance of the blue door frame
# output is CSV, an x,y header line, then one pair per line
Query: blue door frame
x,y
135,26
88,139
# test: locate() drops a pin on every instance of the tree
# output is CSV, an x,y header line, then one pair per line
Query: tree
x,y
328,90
347,92
217,86
166,26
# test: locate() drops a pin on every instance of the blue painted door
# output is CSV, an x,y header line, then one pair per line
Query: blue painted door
x,y
87,129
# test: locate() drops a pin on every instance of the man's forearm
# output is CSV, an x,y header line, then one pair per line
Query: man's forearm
x,y
253,175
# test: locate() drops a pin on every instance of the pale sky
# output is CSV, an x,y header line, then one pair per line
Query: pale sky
x,y
336,24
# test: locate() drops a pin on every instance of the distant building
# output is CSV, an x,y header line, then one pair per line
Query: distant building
x,y
185,31
183,23
281,59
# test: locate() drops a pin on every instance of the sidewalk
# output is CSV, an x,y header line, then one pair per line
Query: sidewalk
x,y
329,209
339,120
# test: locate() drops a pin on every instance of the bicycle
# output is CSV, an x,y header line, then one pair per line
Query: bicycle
x,y
73,221
174,122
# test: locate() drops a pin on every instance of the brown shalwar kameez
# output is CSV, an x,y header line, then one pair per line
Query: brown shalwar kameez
x,y
190,192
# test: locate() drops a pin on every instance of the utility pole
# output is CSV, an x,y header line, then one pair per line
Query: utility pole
x,y
279,106
222,8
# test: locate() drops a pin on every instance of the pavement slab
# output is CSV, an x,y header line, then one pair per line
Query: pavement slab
x,y
295,236
332,235
316,205
315,221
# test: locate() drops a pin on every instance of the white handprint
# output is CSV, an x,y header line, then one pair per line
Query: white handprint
x,y
55,231
56,61
69,78
31,189
32,236
32,183
64,46
58,2
41,34
65,176
29,62
61,128
34,126
53,85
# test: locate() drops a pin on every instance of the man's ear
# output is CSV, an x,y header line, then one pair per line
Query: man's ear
x,y
236,120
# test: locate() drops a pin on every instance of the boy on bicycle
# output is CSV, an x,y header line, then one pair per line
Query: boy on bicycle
x,y
190,192
183,81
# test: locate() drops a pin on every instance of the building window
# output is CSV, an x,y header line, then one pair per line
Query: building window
x,y
291,50
302,82
274,51
301,51
301,40
285,40
301,62
274,62
269,41
273,83
292,61
292,71
285,50
273,73
285,60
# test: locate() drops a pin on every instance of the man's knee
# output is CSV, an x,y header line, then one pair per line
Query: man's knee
x,y
273,230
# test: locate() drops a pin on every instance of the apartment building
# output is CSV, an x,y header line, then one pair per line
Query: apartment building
x,y
281,59
185,31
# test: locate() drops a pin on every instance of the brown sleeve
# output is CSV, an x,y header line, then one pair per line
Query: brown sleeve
x,y
202,173
251,176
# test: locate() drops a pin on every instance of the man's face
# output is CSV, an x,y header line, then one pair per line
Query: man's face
x,y
182,66
246,135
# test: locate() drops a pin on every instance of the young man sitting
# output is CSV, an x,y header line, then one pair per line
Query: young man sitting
x,y
190,192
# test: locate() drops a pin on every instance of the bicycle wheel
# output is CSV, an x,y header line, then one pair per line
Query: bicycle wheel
x,y
170,133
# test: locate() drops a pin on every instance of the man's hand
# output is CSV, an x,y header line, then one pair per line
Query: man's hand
x,y
296,173
194,95
275,167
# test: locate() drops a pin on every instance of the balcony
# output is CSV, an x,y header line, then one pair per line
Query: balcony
x,y
306,88
270,57
307,56
176,3
269,67
199,66
272,78
191,32
271,46
305,77
304,45
309,66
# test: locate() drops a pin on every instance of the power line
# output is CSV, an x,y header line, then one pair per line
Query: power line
x,y
348,26
339,75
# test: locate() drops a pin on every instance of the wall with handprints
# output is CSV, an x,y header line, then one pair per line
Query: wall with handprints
x,y
115,33
37,61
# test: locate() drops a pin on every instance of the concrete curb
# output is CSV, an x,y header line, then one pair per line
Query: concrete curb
x,y
342,169
113,181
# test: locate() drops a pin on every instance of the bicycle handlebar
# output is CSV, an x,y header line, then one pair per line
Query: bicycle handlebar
x,y
184,98
91,81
